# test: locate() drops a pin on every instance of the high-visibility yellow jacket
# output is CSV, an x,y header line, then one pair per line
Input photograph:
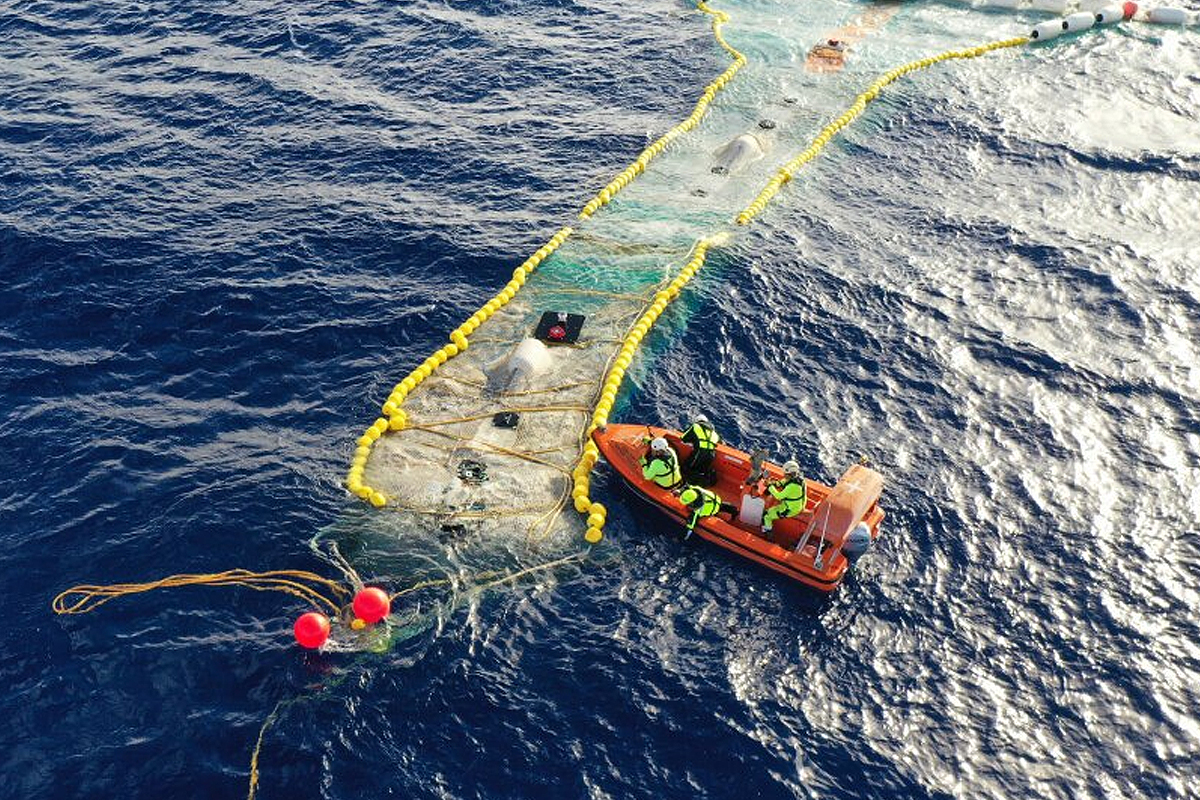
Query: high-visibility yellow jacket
x,y
791,494
701,436
702,502
663,469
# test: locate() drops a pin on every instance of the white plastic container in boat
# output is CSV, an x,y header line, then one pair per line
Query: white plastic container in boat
x,y
751,512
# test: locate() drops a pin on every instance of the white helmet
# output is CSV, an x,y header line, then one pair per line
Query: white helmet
x,y
703,420
791,469
659,445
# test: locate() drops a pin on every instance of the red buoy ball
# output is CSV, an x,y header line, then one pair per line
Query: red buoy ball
x,y
372,604
312,630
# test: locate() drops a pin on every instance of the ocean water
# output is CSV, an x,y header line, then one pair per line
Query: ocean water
x,y
226,229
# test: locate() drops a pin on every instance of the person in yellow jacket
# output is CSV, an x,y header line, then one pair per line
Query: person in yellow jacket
x,y
792,494
703,503
662,465
703,438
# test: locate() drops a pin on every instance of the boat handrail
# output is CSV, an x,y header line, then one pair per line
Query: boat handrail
x,y
822,506
817,561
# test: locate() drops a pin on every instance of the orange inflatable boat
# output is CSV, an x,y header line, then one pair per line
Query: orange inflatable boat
x,y
816,548
830,54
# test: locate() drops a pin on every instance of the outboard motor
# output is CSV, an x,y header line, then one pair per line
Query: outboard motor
x,y
857,542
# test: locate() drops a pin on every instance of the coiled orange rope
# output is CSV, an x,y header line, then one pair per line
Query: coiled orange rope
x,y
308,586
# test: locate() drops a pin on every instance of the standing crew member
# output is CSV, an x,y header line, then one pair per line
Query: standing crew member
x,y
703,503
703,438
662,467
792,494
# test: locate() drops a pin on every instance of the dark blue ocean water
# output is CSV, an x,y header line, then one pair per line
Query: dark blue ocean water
x,y
226,229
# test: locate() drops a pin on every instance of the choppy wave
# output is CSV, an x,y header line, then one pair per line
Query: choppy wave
x,y
225,230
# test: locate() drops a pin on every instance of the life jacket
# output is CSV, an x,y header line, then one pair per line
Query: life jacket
x,y
663,469
705,436
703,502
793,496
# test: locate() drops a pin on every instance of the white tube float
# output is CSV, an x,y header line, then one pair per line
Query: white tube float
x,y
1045,31
1079,21
1169,16
1111,14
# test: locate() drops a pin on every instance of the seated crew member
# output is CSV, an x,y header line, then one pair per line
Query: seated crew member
x,y
662,466
792,494
703,438
703,503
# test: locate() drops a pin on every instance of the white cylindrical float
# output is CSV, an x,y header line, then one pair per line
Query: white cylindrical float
x,y
1079,21
1107,16
1169,16
1045,31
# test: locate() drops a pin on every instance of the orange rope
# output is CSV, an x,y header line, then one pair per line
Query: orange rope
x,y
298,583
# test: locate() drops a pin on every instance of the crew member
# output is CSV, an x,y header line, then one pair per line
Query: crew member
x,y
704,440
703,503
792,494
662,466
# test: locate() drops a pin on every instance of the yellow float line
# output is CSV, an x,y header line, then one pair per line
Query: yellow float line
x,y
818,144
394,417
596,513
710,92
